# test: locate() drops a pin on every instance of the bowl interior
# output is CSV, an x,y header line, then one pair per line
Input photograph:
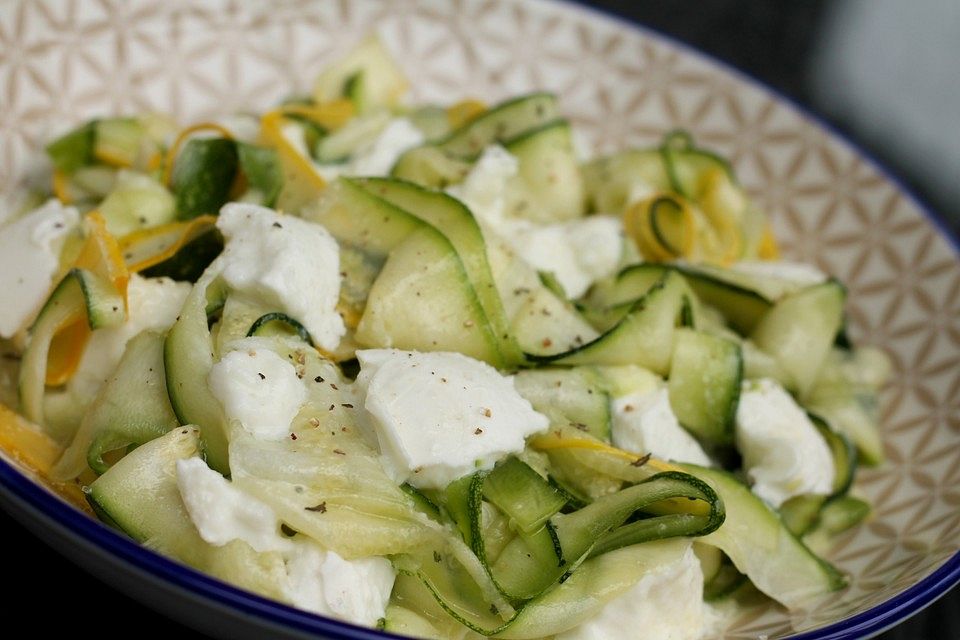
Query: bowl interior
x,y
621,86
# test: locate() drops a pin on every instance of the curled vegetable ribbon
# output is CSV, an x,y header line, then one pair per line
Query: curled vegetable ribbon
x,y
556,441
101,255
302,183
709,226
663,227
145,248
548,442
668,227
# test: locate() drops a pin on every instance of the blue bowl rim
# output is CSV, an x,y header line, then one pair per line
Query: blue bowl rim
x,y
78,524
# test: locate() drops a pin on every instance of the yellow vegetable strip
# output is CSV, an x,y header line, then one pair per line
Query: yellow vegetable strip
x,y
27,445
299,174
101,255
145,248
464,111
108,158
556,441
639,224
330,115
547,442
61,186
768,249
720,202
155,161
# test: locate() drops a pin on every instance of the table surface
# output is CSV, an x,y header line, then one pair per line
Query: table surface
x,y
771,41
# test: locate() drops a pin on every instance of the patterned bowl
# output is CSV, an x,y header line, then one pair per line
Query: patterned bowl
x,y
66,61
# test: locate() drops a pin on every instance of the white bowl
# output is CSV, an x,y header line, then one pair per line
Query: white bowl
x,y
64,62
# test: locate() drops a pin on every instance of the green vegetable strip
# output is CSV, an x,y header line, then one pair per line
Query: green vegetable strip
x,y
421,501
74,149
678,524
261,326
261,166
760,546
458,503
599,581
81,291
644,336
462,230
188,358
118,140
520,493
203,175
531,563
132,408
189,263
505,121
724,583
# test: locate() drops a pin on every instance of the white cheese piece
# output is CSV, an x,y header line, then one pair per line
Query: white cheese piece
x,y
577,252
644,422
378,156
798,273
152,303
30,260
316,580
484,188
287,262
783,453
440,416
258,389
665,604
353,590
222,513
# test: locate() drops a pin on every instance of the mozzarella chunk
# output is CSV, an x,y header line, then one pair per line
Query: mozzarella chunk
x,y
440,416
644,422
30,260
152,304
287,262
221,512
378,158
375,158
666,604
783,453
258,389
353,590
316,580
484,188
577,252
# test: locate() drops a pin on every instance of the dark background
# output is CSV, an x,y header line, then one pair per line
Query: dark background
x,y
775,42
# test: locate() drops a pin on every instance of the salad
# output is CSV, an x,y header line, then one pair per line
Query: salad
x,y
432,369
